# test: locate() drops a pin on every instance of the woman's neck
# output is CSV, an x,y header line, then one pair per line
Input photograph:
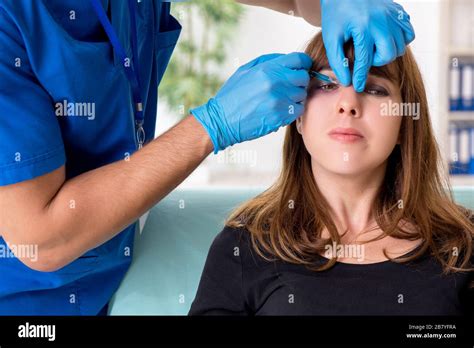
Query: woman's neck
x,y
351,197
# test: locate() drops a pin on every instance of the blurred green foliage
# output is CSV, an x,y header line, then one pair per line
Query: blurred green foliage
x,y
192,76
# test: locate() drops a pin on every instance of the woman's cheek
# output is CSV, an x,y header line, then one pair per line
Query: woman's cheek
x,y
384,129
314,126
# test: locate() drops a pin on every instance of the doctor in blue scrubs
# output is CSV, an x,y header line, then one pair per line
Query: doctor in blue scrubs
x,y
78,100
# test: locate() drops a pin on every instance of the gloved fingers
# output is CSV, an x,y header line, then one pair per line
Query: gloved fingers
x,y
298,78
399,40
364,51
403,20
386,49
337,60
295,60
408,31
295,110
259,60
297,94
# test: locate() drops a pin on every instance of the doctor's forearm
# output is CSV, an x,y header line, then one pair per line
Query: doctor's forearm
x,y
112,197
284,6
310,10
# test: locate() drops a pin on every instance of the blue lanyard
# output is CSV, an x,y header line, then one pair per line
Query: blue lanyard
x,y
132,72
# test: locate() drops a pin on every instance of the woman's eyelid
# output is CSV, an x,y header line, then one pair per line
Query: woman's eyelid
x,y
378,82
372,84
328,85
378,87
371,80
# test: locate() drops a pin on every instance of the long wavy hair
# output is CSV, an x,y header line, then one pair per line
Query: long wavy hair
x,y
286,220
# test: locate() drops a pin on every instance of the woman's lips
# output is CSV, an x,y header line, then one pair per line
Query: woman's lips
x,y
346,135
346,138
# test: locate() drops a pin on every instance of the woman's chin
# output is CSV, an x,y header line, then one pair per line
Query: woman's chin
x,y
353,168
346,171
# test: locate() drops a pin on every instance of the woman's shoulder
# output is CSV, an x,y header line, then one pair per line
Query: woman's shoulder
x,y
239,241
231,238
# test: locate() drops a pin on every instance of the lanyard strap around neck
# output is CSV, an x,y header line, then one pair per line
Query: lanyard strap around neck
x,y
132,72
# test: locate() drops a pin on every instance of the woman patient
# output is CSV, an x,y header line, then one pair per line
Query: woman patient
x,y
358,222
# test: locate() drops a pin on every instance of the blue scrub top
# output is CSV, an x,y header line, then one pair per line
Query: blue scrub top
x,y
55,52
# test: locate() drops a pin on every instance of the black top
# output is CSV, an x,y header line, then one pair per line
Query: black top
x,y
237,281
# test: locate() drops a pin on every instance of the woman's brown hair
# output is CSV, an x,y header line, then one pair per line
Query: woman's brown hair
x,y
286,220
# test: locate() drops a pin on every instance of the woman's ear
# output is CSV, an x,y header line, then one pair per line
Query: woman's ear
x,y
299,124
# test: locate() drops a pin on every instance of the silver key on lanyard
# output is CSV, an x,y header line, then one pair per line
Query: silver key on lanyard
x,y
140,131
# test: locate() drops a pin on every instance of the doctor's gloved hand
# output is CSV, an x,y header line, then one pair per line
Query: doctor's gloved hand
x,y
380,30
260,97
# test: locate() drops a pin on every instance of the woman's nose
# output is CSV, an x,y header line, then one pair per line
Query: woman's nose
x,y
348,103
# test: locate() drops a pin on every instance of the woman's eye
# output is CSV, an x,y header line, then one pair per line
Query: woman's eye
x,y
328,86
376,90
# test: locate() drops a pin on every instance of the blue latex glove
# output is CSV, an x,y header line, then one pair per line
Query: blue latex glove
x,y
260,97
380,30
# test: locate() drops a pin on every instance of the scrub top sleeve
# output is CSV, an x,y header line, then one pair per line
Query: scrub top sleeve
x,y
30,138
220,290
